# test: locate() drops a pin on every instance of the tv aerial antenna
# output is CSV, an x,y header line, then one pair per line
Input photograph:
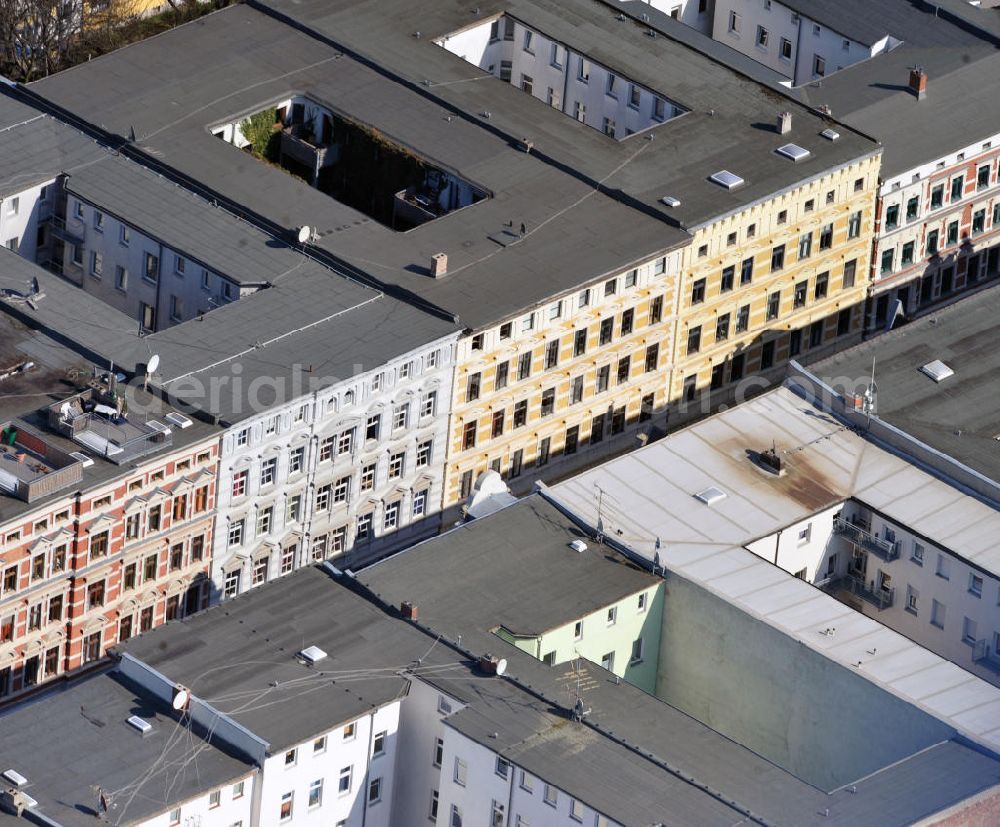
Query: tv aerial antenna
x,y
869,399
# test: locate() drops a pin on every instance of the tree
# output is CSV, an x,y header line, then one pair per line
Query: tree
x,y
35,36
259,130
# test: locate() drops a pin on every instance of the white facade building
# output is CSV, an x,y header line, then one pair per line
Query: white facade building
x,y
353,468
790,43
563,78
694,13
24,217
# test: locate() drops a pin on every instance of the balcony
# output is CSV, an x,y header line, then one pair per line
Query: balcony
x,y
983,655
62,231
883,549
881,598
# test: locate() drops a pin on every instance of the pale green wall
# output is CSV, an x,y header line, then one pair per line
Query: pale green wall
x,y
599,638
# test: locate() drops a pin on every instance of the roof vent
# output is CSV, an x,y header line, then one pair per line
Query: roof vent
x,y
711,495
140,724
179,420
727,179
793,151
784,124
770,460
670,201
830,134
578,546
15,778
409,610
937,370
87,461
312,654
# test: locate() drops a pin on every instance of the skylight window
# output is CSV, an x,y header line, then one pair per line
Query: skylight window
x,y
793,151
711,495
830,134
670,201
727,179
937,370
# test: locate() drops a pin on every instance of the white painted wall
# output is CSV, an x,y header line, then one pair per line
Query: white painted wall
x,y
694,13
555,77
201,812
305,423
521,795
21,214
808,39
324,763
805,546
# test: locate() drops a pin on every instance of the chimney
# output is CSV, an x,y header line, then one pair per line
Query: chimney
x,y
918,82
784,123
408,610
489,664
439,265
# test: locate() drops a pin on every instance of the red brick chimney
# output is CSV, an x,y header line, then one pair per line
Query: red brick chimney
x,y
918,82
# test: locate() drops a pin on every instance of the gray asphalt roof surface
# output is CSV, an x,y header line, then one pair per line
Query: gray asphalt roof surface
x,y
174,87
958,416
67,743
518,571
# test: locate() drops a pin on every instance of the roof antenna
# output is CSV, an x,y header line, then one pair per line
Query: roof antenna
x,y
868,399
600,510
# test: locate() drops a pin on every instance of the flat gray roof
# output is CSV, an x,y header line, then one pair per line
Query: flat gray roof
x,y
63,368
518,571
590,204
35,148
958,416
183,221
873,95
69,742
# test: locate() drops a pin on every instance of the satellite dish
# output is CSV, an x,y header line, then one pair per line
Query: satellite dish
x,y
153,364
304,234
501,666
180,700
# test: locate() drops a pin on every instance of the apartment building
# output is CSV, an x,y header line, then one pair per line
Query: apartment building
x,y
936,582
409,729
107,522
782,278
803,41
600,606
780,507
580,202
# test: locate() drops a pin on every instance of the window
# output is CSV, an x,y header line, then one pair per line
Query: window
x,y
826,237
469,435
957,187
773,305
461,771
799,296
151,268
572,439
375,791
822,282
240,483
636,655
548,401
656,310
397,464
698,292
975,585
121,278
734,22
727,279
907,254
285,812
552,354
786,49
762,37
624,367
628,320
854,224
743,319
554,58
606,331
633,96
932,248
969,630
978,221
456,816
520,413
952,237
694,339
175,816
373,424
777,258
428,404
96,264
550,795
850,270
887,259
805,245
942,567
544,449
502,375
937,614
819,65
583,70
651,363
524,366
344,780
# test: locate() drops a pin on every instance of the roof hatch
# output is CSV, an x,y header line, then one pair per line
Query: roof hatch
x,y
711,495
793,151
937,370
312,654
727,179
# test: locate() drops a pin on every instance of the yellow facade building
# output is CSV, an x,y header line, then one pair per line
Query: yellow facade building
x,y
566,384
783,278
